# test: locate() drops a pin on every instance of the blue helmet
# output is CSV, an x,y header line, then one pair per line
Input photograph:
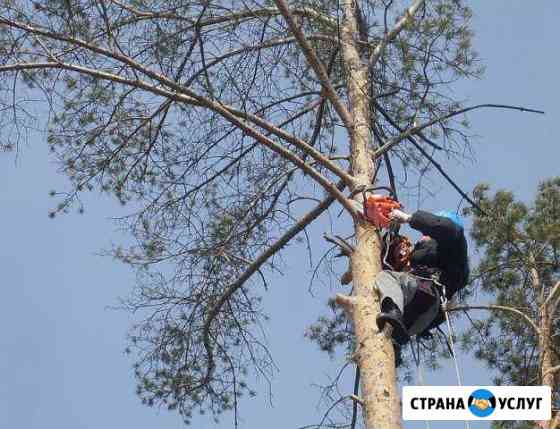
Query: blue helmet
x,y
454,217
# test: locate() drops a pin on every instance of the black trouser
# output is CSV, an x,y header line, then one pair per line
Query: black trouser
x,y
417,299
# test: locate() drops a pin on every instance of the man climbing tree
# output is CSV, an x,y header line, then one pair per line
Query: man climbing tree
x,y
520,270
218,120
437,268
415,282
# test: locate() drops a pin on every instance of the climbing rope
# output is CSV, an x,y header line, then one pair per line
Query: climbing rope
x,y
451,334
451,331
419,373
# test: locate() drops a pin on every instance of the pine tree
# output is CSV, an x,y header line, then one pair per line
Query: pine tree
x,y
520,269
221,121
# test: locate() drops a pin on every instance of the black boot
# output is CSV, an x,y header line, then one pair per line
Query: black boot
x,y
392,314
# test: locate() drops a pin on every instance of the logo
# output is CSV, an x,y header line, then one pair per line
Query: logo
x,y
482,403
476,403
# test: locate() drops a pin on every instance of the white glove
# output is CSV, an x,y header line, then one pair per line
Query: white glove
x,y
399,216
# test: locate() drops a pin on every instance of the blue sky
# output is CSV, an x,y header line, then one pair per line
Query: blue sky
x,y
61,349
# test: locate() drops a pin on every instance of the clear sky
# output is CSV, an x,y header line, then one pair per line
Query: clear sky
x,y
61,349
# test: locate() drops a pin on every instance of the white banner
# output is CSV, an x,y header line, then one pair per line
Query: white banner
x,y
476,403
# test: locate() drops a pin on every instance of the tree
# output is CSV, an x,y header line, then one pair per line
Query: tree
x,y
221,122
520,266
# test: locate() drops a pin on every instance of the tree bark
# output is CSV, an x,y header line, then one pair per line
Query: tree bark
x,y
374,351
545,338
548,374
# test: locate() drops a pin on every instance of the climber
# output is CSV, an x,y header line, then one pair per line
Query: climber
x,y
437,266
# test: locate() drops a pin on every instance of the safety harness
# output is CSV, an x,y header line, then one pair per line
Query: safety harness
x,y
396,253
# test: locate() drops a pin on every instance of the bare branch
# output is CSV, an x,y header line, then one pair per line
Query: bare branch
x,y
233,17
322,180
390,36
345,247
356,399
552,370
257,47
315,64
416,129
525,317
249,149
431,159
347,303
448,178
311,151
551,296
386,115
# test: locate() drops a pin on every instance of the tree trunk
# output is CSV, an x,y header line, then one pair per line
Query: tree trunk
x,y
374,351
545,338
548,376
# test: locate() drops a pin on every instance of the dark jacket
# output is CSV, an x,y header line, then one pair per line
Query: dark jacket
x,y
446,254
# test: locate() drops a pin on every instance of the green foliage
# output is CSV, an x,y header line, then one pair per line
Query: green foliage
x,y
518,243
206,201
332,332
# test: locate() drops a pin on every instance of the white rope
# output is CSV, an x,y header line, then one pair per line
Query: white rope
x,y
419,372
452,342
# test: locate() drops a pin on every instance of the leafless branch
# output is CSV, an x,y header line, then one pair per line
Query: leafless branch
x,y
524,316
390,36
552,297
315,64
416,129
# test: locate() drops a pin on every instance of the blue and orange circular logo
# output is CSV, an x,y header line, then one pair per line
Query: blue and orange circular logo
x,y
482,403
